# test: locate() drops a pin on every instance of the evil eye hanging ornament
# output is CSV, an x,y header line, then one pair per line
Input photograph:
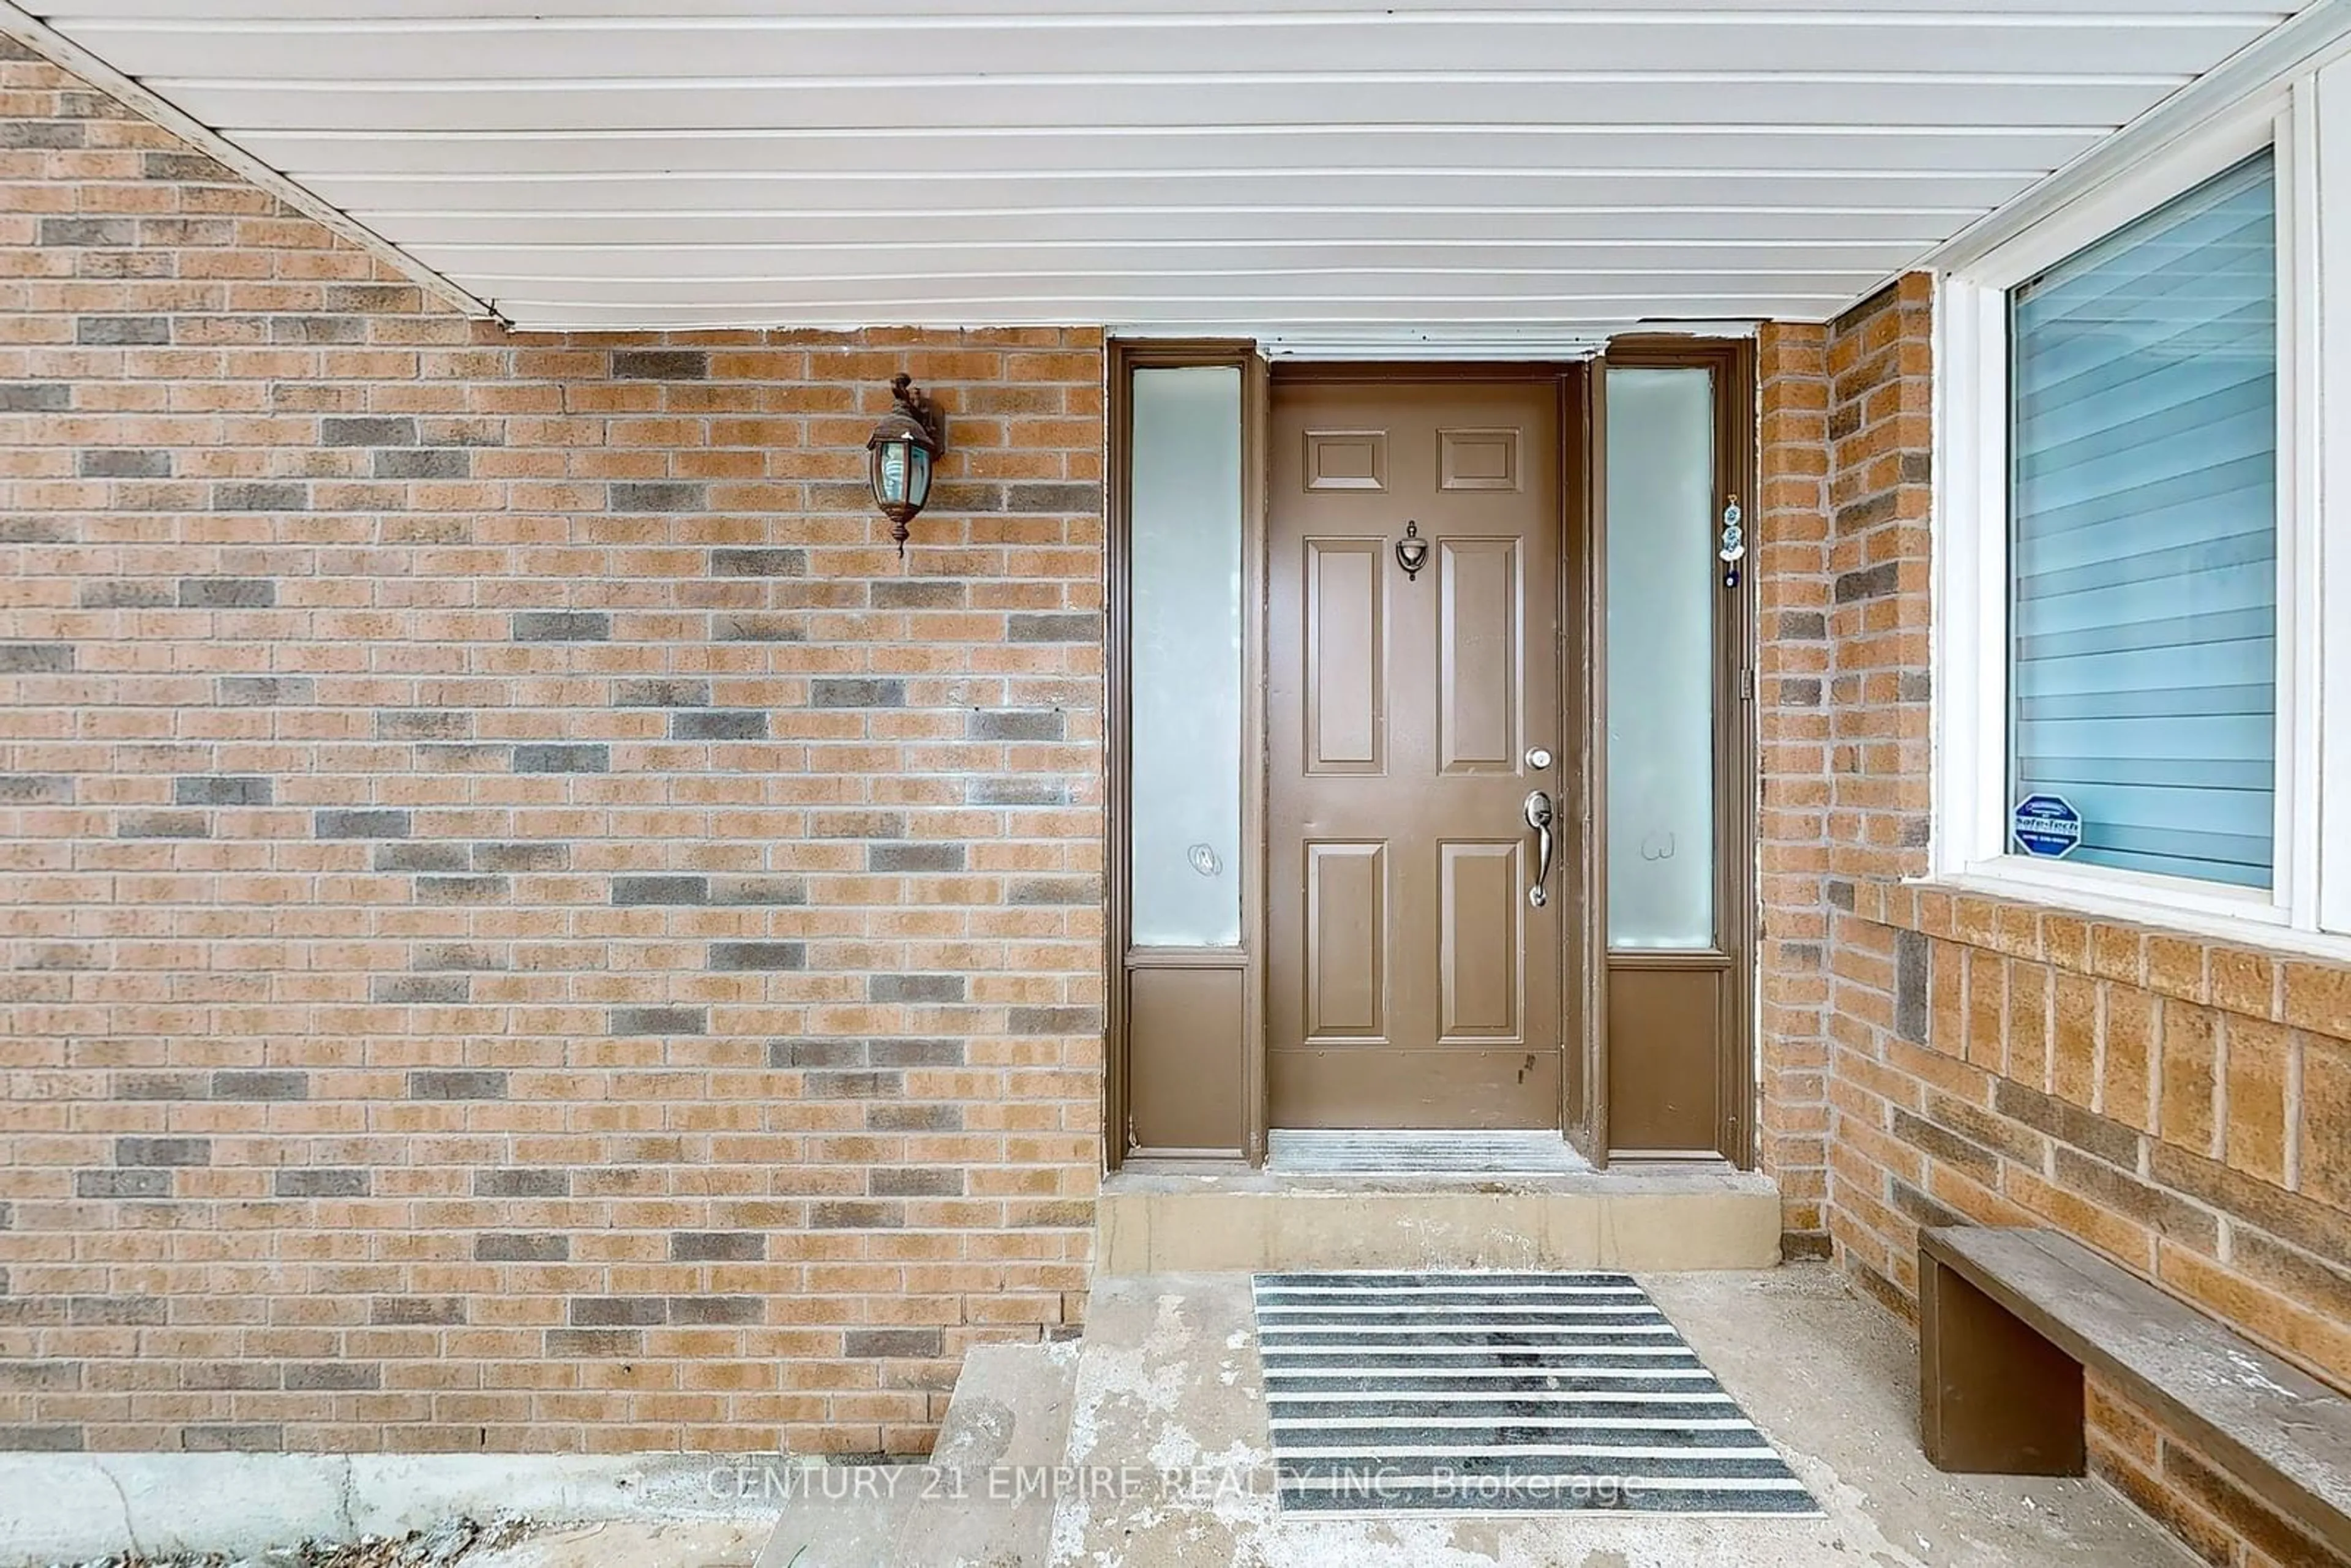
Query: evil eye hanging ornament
x,y
1734,542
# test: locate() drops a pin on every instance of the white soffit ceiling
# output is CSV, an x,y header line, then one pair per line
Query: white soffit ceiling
x,y
1326,166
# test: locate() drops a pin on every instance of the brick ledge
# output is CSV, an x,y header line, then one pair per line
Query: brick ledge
x,y
2300,992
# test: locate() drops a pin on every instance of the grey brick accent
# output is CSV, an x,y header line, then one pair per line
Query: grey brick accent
x,y
36,658
770,890
594,1345
416,1311
456,1083
248,1084
1913,978
718,724
536,855
916,1053
237,691
1074,495
522,1183
717,1246
1055,890
162,1152
914,987
461,889
421,857
445,990
628,890
423,724
370,822
36,789
759,563
804,1052
423,463
123,463
1053,1020
911,857
852,1085
915,1181
560,626
370,430
758,956
36,397
654,495
916,593
518,1247
540,757
333,1376
1079,627
857,693
82,232
223,790
163,1086
122,331
260,496
660,364
323,1182
1017,724
131,1184
618,1311
718,1310
33,530
40,1439
227,594
661,694
644,1020
927,1118
162,825
126,593
118,1311
922,1343
1868,582
1017,790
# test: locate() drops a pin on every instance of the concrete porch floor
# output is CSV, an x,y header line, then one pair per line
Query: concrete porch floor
x,y
1169,1379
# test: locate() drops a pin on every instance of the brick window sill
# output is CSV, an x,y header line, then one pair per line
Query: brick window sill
x,y
2248,976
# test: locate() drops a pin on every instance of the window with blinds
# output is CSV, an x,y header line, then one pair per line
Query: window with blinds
x,y
2143,564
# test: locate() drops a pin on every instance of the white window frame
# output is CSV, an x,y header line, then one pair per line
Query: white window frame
x,y
2306,118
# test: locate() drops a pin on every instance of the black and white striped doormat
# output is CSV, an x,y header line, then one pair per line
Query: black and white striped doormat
x,y
1502,1392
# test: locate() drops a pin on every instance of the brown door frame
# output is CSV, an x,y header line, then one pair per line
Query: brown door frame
x,y
1581,651
1737,779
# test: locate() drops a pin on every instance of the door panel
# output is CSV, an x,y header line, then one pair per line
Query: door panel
x,y
1410,981
1479,657
1345,650
1483,890
1346,941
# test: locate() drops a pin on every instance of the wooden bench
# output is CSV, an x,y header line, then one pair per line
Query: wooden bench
x,y
2008,1318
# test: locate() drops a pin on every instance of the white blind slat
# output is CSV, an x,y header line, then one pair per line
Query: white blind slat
x,y
2143,548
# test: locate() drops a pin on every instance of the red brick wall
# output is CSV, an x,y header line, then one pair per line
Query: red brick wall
x,y
2176,1103
527,926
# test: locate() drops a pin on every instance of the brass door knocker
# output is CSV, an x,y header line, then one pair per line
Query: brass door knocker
x,y
1412,552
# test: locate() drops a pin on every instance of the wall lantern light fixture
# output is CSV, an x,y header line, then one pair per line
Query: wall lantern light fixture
x,y
899,454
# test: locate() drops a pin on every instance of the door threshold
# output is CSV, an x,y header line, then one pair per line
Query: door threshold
x,y
1406,1151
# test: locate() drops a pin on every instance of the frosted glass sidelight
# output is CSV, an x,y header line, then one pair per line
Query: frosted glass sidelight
x,y
1663,582
1184,515
2143,548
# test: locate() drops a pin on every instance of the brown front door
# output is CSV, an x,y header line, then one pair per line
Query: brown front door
x,y
1412,981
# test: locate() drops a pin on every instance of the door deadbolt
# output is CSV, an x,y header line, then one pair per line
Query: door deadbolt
x,y
1538,757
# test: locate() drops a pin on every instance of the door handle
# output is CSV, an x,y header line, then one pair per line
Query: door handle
x,y
1539,818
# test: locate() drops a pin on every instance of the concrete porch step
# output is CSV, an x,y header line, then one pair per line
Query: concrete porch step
x,y
1170,1460
1661,1218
